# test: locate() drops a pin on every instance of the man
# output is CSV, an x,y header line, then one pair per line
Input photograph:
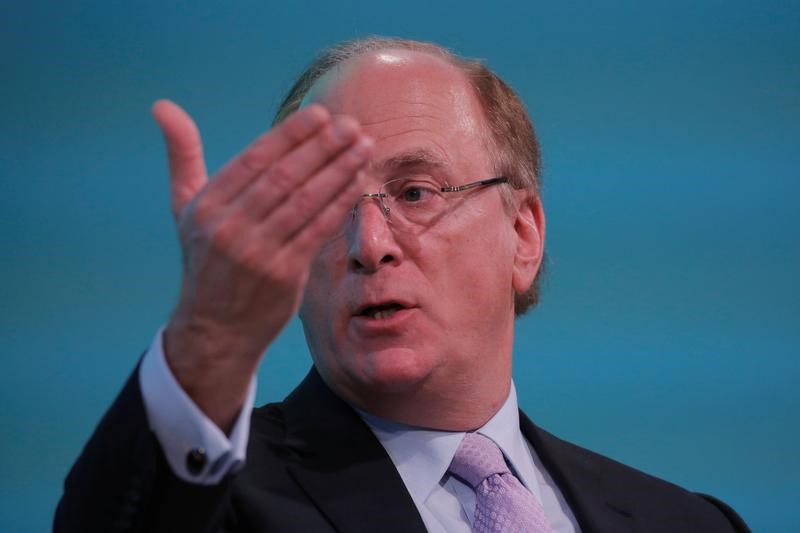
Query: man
x,y
396,206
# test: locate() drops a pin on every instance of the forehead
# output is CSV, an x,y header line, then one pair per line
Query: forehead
x,y
409,102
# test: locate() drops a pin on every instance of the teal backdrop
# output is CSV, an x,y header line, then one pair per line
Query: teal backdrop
x,y
667,336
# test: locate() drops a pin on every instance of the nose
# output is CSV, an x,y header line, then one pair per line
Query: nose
x,y
371,242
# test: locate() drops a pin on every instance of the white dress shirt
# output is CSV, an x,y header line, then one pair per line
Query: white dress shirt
x,y
446,504
421,456
182,427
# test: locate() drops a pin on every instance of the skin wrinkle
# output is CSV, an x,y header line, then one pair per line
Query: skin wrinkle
x,y
419,160
419,155
411,130
416,161
377,123
424,159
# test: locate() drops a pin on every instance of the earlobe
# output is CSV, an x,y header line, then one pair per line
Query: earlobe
x,y
529,225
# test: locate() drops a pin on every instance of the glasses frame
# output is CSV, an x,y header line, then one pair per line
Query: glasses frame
x,y
447,188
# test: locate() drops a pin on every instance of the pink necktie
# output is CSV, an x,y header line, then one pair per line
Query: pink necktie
x,y
502,503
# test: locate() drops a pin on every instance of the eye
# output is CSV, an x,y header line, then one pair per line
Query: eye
x,y
414,192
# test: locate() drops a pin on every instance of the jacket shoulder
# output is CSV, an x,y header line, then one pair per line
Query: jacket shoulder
x,y
591,481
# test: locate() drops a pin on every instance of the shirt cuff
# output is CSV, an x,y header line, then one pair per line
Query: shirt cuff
x,y
195,447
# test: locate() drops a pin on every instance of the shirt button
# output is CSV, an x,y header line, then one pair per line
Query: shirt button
x,y
196,461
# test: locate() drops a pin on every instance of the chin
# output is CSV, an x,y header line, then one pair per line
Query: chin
x,y
394,370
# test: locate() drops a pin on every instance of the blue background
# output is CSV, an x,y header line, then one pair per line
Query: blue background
x,y
665,335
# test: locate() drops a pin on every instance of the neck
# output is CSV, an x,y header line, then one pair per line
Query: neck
x,y
453,405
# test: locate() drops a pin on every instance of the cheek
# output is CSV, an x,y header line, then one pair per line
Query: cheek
x,y
486,258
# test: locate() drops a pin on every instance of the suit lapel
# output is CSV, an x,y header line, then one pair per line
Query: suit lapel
x,y
596,504
345,471
342,466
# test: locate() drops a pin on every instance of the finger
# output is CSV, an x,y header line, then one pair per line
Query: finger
x,y
282,179
308,241
187,169
234,177
331,185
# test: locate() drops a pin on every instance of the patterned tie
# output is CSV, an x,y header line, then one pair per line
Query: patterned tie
x,y
502,503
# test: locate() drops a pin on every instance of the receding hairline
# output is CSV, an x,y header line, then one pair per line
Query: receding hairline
x,y
335,57
349,67
340,70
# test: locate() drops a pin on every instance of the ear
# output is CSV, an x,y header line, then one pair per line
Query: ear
x,y
529,226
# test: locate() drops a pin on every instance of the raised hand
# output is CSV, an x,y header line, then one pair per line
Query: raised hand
x,y
248,237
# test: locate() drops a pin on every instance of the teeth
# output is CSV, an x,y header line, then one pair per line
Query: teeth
x,y
384,313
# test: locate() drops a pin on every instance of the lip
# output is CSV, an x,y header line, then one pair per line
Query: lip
x,y
359,309
368,327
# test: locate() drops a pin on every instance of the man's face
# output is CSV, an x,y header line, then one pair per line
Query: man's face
x,y
446,289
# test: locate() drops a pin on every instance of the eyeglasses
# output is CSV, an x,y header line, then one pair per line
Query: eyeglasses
x,y
414,202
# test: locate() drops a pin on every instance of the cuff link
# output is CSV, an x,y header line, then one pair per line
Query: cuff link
x,y
195,461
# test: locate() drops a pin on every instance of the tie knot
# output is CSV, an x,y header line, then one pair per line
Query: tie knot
x,y
477,458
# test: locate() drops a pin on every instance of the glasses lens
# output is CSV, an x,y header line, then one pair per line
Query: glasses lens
x,y
405,202
413,201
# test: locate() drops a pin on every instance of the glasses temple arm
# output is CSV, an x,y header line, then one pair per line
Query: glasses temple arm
x,y
481,183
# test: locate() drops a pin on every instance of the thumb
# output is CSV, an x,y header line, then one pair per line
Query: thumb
x,y
187,169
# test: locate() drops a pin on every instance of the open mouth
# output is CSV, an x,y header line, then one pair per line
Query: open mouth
x,y
381,311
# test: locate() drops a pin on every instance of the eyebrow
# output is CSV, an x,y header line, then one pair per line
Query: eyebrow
x,y
411,159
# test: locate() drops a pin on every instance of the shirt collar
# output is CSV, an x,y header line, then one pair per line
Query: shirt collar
x,y
422,456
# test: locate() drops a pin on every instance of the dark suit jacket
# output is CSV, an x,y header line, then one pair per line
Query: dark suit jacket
x,y
313,465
